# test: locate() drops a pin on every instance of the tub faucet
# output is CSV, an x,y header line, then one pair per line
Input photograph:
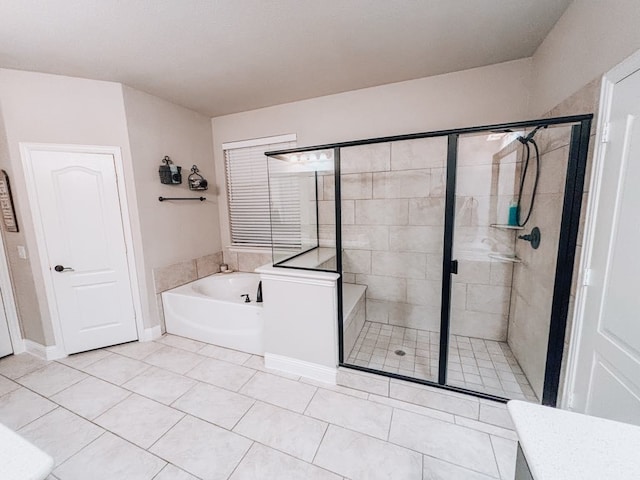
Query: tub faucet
x,y
259,294
246,297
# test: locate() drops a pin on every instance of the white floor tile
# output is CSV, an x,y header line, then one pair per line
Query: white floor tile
x,y
505,451
496,415
51,379
136,350
171,472
457,405
139,420
116,369
61,433
109,458
15,366
160,385
264,463
22,406
459,445
436,469
282,429
84,359
214,404
410,407
487,428
232,356
361,457
7,385
286,442
202,449
181,342
90,397
375,384
349,412
279,391
221,374
336,388
174,359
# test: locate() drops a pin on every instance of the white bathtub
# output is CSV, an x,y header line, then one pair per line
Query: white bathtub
x,y
211,310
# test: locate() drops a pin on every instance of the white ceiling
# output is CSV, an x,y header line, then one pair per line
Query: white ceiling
x,y
225,56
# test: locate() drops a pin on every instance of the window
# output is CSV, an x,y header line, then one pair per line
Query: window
x,y
248,193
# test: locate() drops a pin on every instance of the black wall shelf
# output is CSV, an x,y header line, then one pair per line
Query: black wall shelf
x,y
163,199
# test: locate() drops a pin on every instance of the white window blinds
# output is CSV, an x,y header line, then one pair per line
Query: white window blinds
x,y
248,197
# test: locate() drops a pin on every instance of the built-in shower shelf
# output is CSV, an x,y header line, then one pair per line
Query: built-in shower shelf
x,y
504,257
506,227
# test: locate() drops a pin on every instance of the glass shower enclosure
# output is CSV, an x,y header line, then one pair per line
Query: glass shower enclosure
x,y
455,249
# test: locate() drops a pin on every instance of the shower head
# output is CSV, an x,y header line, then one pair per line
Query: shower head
x,y
531,134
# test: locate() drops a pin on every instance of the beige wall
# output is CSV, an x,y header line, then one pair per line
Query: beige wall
x,y
172,232
46,108
42,108
497,93
589,39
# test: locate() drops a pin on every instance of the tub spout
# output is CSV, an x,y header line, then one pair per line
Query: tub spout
x,y
246,297
259,294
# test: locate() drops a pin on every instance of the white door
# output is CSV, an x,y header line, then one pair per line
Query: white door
x,y
608,365
5,339
77,196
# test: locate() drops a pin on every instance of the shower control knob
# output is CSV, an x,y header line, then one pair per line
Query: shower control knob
x,y
533,237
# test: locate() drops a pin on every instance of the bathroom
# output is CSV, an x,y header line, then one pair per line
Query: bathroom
x,y
413,335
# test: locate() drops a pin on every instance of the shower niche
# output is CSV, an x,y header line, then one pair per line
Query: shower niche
x,y
432,235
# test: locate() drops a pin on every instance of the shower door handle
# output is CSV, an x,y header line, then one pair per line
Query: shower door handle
x,y
454,267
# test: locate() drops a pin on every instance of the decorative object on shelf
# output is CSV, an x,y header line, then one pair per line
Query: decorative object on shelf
x,y
6,204
197,181
164,199
169,173
533,237
514,211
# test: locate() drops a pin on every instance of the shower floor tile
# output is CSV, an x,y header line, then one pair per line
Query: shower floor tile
x,y
474,363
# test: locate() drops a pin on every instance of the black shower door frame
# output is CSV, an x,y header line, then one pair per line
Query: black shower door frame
x,y
572,203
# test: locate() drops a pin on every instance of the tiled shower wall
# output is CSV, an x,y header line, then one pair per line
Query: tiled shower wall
x,y
534,278
392,233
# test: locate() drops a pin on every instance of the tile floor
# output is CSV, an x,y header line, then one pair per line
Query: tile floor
x,y
481,365
180,409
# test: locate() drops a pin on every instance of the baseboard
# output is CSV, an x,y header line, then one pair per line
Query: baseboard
x,y
51,352
300,367
149,334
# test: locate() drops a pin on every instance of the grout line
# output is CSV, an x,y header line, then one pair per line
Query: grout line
x,y
184,415
255,402
55,467
393,410
242,459
495,455
324,434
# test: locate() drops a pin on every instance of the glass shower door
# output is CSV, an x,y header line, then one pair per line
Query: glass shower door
x,y
392,202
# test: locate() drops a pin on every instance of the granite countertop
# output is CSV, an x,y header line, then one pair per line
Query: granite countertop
x,y
563,445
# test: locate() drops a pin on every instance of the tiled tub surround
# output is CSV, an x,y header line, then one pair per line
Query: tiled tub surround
x,y
179,409
172,276
474,363
246,260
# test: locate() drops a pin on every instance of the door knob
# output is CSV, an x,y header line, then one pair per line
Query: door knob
x,y
60,268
